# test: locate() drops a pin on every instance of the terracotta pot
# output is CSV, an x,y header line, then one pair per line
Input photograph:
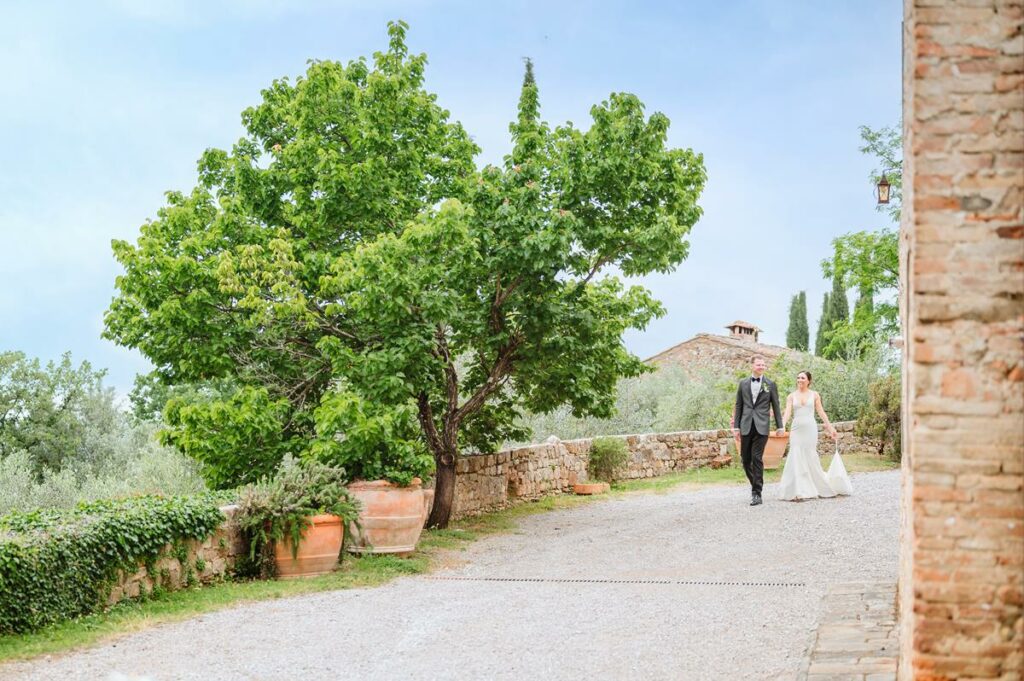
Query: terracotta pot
x,y
591,487
391,517
428,503
773,450
318,551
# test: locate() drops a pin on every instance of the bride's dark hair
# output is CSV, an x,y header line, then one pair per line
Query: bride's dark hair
x,y
807,374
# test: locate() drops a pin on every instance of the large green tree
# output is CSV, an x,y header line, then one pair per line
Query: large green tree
x,y
348,266
46,409
798,334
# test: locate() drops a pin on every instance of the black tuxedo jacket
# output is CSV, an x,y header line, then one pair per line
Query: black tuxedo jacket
x,y
752,414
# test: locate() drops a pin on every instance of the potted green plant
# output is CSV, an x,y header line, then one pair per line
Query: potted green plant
x,y
607,458
380,448
296,520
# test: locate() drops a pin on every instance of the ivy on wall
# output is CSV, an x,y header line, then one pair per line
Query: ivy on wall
x,y
56,565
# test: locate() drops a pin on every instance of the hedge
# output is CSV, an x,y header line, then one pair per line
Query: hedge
x,y
55,565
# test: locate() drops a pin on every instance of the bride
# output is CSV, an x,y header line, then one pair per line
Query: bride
x,y
803,477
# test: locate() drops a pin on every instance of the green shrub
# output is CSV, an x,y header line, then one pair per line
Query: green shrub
x,y
124,463
56,565
664,401
880,418
370,441
607,459
280,507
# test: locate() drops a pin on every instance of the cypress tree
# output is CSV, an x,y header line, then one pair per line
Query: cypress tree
x,y
838,315
797,333
838,302
824,323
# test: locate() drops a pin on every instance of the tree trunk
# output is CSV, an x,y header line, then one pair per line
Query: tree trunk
x,y
444,491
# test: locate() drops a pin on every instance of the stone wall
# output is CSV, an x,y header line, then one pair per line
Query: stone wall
x,y
962,274
190,562
491,481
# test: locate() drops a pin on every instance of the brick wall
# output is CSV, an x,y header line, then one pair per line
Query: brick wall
x,y
491,481
962,268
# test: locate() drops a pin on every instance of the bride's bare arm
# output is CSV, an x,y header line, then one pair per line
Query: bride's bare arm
x,y
821,412
789,408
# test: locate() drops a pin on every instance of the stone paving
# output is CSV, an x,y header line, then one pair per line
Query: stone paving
x,y
857,634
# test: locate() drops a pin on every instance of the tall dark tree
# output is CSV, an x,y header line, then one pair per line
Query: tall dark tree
x,y
798,333
838,317
824,324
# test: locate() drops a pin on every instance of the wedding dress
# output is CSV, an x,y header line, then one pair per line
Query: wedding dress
x,y
803,477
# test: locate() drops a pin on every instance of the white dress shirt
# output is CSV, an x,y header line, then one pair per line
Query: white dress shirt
x,y
755,388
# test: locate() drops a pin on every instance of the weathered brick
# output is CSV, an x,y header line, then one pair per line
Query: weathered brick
x,y
961,239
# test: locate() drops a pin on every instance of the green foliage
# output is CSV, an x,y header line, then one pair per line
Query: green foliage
x,y
122,463
667,400
348,238
225,285
886,145
237,440
279,508
379,442
868,262
151,393
837,317
45,410
843,385
607,458
798,334
56,565
880,417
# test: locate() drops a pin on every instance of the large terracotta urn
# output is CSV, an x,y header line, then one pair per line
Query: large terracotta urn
x,y
318,551
774,449
391,518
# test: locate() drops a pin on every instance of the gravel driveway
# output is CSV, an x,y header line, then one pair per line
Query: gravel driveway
x,y
728,592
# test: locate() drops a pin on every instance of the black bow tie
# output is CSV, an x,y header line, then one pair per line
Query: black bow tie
x,y
756,380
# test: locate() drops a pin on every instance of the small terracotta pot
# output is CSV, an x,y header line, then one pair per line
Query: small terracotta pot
x,y
391,517
591,487
318,550
773,450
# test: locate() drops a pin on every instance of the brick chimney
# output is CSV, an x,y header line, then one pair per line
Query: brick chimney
x,y
743,330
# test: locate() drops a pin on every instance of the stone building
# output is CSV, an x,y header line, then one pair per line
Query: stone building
x,y
962,270
723,354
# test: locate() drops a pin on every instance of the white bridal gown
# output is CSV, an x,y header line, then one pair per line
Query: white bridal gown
x,y
803,477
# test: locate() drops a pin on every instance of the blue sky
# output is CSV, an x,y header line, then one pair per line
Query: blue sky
x,y
105,105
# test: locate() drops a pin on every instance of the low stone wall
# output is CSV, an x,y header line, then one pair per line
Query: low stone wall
x,y
849,443
491,481
186,563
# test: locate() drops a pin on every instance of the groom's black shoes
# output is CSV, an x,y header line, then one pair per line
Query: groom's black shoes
x,y
755,500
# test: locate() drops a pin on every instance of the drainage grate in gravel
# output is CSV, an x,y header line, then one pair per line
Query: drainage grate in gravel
x,y
556,580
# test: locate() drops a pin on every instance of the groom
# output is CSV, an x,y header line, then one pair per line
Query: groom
x,y
751,421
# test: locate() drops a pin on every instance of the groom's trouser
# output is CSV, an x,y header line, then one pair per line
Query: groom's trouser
x,y
752,454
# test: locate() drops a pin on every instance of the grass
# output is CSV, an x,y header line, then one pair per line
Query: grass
x,y
435,547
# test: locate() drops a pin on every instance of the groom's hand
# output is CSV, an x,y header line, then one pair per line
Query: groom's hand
x,y
780,431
